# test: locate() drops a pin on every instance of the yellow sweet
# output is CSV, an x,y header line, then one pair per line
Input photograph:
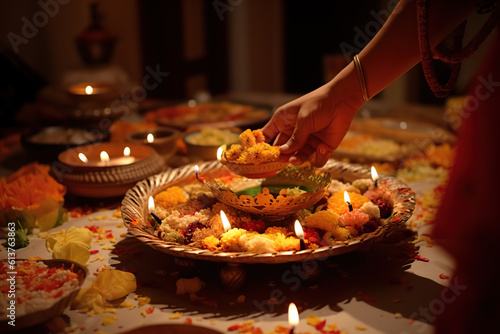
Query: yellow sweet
x,y
341,234
325,220
210,243
253,149
170,197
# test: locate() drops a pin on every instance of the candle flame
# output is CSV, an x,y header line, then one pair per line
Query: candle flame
x,y
374,174
293,315
151,204
196,169
150,138
126,151
220,150
89,90
225,221
347,199
299,232
104,156
83,157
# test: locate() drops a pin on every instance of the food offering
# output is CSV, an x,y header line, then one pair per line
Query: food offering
x,y
43,289
195,222
221,114
358,147
253,157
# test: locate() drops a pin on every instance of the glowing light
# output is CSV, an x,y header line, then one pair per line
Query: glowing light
x,y
293,315
374,174
126,151
347,199
220,150
225,221
151,204
104,157
150,138
299,232
83,157
89,90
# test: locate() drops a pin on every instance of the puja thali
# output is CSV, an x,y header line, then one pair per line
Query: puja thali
x,y
135,208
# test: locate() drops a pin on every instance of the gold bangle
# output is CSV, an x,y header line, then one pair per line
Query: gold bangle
x,y
361,77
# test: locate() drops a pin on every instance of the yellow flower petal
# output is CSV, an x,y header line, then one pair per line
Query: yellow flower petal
x,y
108,320
52,238
114,284
71,250
88,298
80,234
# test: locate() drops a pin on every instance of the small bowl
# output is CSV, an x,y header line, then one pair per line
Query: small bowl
x,y
98,180
272,207
204,152
45,144
44,315
165,140
263,170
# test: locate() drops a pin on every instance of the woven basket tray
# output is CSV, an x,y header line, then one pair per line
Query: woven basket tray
x,y
134,206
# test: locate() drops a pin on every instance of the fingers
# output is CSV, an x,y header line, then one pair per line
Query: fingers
x,y
283,120
296,141
323,153
304,154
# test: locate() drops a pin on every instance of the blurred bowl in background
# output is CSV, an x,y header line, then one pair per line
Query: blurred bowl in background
x,y
163,140
203,144
45,144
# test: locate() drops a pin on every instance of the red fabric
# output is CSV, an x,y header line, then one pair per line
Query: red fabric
x,y
468,222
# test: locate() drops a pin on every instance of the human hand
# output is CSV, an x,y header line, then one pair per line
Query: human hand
x,y
312,126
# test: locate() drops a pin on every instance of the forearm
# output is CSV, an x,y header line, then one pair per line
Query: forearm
x,y
395,48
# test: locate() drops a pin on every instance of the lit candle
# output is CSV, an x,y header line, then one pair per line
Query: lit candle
x,y
293,317
83,158
107,161
299,232
87,89
347,199
225,221
104,158
151,208
126,159
375,176
150,138
220,150
196,170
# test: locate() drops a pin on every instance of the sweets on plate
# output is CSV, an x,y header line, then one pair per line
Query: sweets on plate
x,y
253,149
197,221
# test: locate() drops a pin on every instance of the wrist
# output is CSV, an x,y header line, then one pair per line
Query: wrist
x,y
345,88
